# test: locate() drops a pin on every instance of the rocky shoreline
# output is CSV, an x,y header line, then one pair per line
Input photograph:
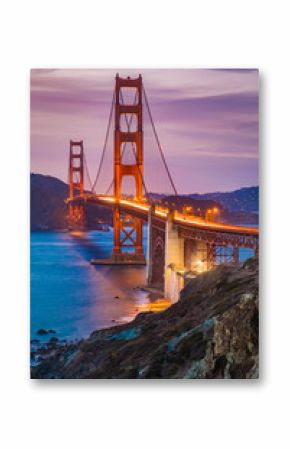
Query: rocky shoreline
x,y
212,332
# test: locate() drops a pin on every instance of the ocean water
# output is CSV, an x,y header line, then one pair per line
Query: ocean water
x,y
73,297
246,253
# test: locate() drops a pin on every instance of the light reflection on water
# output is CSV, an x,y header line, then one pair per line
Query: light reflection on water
x,y
72,296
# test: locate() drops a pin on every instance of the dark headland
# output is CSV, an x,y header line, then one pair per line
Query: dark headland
x,y
212,332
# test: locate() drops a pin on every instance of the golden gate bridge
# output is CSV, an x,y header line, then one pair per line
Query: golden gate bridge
x,y
178,243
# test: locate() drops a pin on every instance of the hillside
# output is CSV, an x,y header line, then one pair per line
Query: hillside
x,y
201,204
48,210
212,332
242,200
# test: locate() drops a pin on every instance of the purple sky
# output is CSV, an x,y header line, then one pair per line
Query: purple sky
x,y
207,122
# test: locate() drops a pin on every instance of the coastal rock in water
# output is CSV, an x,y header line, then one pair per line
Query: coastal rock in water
x,y
45,332
53,340
42,332
34,341
212,332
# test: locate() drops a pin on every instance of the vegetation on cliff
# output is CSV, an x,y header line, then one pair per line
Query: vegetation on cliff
x,y
212,332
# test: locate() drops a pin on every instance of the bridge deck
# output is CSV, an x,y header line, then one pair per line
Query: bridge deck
x,y
141,210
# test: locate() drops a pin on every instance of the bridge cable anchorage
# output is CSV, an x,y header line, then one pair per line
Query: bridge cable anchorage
x,y
158,142
105,143
129,123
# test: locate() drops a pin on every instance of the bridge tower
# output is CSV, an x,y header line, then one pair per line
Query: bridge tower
x,y
76,183
128,244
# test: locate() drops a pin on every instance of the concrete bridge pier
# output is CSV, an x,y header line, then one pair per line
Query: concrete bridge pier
x,y
174,261
170,256
155,257
198,255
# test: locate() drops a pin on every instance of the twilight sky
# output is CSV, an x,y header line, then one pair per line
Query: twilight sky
x,y
207,122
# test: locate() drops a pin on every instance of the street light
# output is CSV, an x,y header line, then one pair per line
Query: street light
x,y
187,209
208,215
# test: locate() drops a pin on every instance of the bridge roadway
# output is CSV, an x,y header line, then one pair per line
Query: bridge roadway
x,y
177,243
186,222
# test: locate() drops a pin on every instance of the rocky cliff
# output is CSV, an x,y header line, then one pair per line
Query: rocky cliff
x,y
212,332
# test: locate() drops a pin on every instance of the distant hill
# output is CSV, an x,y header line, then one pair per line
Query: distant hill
x,y
200,203
181,201
242,200
47,195
48,210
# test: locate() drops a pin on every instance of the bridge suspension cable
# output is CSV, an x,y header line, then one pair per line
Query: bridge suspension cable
x,y
105,143
158,142
109,188
87,172
129,122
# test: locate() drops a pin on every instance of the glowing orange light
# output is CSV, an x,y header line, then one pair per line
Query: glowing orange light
x,y
178,217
